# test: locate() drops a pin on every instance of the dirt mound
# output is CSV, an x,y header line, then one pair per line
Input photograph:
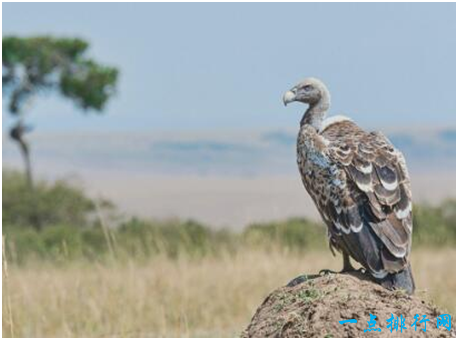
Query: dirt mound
x,y
313,308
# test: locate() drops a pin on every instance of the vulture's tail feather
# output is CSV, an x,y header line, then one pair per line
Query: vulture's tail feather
x,y
401,280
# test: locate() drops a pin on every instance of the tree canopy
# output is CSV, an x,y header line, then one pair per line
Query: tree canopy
x,y
34,65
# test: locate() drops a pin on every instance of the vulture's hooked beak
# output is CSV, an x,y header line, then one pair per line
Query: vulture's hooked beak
x,y
289,97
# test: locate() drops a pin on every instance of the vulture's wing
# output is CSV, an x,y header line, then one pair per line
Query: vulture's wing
x,y
373,213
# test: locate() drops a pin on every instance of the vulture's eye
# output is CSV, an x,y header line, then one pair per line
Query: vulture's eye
x,y
307,88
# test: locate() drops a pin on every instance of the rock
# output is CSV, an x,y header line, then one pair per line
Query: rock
x,y
313,308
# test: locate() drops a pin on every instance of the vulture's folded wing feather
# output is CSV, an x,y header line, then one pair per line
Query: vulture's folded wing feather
x,y
373,213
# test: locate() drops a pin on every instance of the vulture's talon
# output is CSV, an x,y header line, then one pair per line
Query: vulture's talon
x,y
297,281
323,272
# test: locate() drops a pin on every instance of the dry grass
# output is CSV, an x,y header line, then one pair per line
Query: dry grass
x,y
209,297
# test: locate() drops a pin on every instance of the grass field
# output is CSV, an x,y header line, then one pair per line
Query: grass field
x,y
213,296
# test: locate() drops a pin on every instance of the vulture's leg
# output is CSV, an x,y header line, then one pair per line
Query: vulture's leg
x,y
347,267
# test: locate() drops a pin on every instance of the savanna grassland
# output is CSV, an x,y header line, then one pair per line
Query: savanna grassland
x,y
206,297
82,272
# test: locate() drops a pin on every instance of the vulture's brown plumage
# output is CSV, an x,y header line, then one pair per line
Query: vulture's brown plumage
x,y
360,185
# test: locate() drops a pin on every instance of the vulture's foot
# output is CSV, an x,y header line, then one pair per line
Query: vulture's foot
x,y
327,272
348,270
360,271
300,279
297,281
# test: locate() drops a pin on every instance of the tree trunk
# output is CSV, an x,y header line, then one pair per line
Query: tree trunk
x,y
17,134
28,166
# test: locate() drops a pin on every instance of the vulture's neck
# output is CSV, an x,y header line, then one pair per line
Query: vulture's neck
x,y
316,113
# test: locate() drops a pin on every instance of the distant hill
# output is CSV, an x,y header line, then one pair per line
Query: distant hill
x,y
247,153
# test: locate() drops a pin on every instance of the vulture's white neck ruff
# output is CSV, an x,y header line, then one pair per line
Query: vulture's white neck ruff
x,y
333,120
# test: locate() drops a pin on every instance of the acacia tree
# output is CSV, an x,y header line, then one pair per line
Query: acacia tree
x,y
34,66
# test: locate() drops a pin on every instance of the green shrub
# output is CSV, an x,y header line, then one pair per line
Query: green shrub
x,y
70,230
143,238
435,225
50,204
296,234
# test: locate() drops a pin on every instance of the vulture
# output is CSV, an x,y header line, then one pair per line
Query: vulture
x,y
360,185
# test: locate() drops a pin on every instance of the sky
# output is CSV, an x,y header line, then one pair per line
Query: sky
x,y
225,66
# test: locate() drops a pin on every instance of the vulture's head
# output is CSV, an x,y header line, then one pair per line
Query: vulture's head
x,y
310,91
